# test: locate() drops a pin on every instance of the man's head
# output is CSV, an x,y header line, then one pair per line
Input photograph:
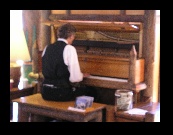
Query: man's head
x,y
67,31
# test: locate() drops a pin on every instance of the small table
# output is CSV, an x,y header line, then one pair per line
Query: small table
x,y
37,106
152,108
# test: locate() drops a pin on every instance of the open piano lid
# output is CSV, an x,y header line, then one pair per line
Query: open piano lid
x,y
98,25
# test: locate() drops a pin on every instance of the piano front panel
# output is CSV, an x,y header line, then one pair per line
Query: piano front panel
x,y
104,66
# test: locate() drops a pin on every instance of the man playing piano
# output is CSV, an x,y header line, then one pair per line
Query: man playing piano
x,y
60,67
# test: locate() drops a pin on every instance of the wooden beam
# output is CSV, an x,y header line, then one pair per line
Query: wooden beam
x,y
118,18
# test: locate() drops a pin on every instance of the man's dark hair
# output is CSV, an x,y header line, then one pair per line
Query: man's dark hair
x,y
66,31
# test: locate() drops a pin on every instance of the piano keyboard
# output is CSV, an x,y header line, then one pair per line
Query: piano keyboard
x,y
107,78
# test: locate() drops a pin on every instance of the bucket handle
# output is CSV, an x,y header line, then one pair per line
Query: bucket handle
x,y
117,95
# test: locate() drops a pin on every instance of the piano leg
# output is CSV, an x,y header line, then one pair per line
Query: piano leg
x,y
137,96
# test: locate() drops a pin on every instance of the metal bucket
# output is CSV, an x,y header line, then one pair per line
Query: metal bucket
x,y
123,100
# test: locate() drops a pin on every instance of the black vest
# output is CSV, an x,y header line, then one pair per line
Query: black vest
x,y
53,67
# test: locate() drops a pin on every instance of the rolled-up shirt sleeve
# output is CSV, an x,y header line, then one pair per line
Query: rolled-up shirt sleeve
x,y
71,60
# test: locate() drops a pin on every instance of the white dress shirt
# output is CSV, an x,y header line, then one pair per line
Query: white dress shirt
x,y
71,60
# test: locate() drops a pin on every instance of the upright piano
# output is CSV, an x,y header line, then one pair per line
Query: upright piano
x,y
112,65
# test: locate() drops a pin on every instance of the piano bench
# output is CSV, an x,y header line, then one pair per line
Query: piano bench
x,y
34,108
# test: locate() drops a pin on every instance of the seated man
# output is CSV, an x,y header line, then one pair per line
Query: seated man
x,y
60,67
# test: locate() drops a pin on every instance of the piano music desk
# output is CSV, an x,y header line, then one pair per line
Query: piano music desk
x,y
39,108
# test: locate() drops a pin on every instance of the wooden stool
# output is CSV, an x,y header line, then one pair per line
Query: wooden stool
x,y
38,107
